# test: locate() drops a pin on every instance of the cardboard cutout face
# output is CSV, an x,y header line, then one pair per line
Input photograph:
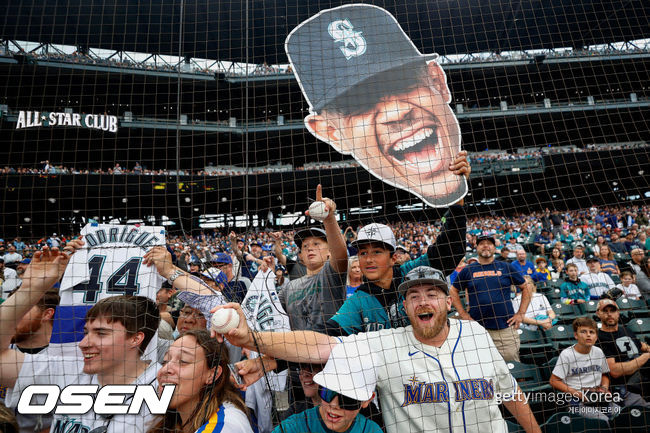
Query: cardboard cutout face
x,y
372,95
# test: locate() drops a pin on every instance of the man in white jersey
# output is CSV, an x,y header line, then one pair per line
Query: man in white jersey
x,y
117,331
434,375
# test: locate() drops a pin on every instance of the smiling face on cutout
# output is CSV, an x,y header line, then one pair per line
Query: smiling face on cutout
x,y
407,138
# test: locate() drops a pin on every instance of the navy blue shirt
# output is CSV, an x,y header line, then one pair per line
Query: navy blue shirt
x,y
488,290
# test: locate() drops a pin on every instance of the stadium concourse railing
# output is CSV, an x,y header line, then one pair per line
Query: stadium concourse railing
x,y
265,126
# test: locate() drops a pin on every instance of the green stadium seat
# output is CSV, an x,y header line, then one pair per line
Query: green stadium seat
x,y
528,377
532,349
590,307
633,308
566,313
560,336
639,326
513,427
564,422
554,295
632,419
547,369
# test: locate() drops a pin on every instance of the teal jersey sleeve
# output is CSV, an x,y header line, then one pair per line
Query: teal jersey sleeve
x,y
362,312
423,260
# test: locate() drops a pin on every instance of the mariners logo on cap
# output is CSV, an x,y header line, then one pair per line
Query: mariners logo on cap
x,y
425,272
371,231
354,43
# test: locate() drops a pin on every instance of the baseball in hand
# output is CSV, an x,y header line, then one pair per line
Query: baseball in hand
x,y
318,211
224,320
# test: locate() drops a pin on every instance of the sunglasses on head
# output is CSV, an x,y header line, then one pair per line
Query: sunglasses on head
x,y
345,403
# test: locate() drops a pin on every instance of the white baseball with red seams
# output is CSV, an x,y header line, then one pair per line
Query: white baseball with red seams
x,y
318,211
224,320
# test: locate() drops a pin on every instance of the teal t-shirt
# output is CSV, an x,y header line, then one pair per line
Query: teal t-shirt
x,y
310,421
364,312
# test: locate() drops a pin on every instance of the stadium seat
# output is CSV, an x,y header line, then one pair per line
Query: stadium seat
x,y
639,326
554,296
633,308
513,427
566,313
589,307
632,419
547,369
528,377
564,422
532,349
560,336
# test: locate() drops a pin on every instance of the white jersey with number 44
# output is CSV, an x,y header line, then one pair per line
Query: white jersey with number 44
x,y
110,264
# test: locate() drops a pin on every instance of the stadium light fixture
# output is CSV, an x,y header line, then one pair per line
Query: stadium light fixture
x,y
51,200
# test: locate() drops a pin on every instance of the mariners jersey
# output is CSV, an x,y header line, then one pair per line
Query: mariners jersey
x,y
452,388
111,264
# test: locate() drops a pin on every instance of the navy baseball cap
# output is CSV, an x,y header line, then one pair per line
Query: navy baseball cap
x,y
25,261
486,238
312,232
339,48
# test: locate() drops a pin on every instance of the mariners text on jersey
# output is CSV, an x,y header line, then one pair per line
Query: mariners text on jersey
x,y
417,392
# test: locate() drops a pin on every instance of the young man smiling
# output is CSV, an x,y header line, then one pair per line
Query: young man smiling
x,y
117,331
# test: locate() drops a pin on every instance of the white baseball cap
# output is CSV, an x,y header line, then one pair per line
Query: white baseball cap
x,y
376,233
349,371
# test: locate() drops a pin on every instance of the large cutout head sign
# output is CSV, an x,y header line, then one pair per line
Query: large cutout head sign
x,y
372,95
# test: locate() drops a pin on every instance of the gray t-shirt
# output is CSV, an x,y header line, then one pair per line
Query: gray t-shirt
x,y
313,299
580,370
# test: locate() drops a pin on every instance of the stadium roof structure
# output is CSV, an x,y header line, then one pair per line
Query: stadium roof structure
x,y
254,31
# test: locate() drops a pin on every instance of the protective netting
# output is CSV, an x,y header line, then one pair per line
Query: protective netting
x,y
207,127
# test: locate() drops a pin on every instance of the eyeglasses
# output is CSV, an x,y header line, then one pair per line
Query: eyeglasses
x,y
345,403
192,313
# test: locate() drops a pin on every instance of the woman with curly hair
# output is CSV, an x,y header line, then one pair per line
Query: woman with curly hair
x,y
205,399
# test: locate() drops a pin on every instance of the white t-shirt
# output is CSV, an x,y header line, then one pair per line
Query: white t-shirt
x,y
539,305
579,370
42,369
11,282
425,388
580,263
631,291
598,283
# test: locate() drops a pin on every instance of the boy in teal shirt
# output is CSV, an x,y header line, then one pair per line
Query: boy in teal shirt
x,y
377,304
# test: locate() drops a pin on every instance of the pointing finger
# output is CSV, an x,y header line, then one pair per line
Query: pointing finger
x,y
319,192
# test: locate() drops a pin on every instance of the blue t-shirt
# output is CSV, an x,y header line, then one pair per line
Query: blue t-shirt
x,y
310,421
488,290
349,291
526,269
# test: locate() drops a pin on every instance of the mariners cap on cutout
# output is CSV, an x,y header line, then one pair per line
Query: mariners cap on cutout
x,y
424,275
375,233
338,48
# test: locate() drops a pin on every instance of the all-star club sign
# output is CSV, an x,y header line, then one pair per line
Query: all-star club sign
x,y
32,119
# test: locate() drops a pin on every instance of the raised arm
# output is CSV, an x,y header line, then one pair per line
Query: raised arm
x,y
161,258
277,248
335,240
47,267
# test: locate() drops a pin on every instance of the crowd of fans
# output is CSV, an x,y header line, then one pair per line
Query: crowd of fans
x,y
477,158
557,264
